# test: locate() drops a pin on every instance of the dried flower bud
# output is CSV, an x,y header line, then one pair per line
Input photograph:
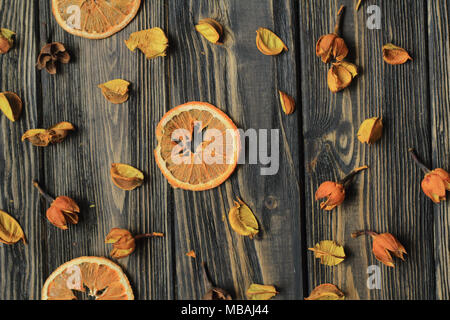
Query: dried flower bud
x,y
6,40
340,75
50,54
331,45
123,243
210,29
370,130
54,134
395,55
11,105
287,103
63,210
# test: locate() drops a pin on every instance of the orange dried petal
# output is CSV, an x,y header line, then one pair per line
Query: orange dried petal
x,y
125,176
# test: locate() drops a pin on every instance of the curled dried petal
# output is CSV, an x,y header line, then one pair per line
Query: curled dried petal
x,y
326,291
210,29
54,134
37,137
191,254
370,130
126,177
66,204
50,54
6,40
329,252
434,187
152,42
11,105
115,91
287,103
341,75
123,243
242,220
334,192
10,230
395,55
269,43
261,292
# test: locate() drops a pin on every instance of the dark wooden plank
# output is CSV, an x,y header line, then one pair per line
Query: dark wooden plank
x,y
238,79
20,266
107,133
386,198
439,62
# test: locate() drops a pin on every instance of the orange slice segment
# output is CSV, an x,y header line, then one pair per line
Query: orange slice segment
x,y
198,146
94,19
104,280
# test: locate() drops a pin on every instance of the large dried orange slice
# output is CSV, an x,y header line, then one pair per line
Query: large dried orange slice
x,y
94,19
104,280
198,146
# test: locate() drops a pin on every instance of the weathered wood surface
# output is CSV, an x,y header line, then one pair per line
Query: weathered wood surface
x,y
317,143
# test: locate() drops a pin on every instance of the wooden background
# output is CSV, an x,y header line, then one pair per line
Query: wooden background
x,y
317,143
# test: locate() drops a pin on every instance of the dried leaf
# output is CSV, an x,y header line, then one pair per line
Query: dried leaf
x,y
123,243
435,184
152,42
370,130
261,292
341,75
191,254
10,230
333,192
6,40
326,291
287,103
50,54
115,91
210,29
395,55
269,43
11,105
126,177
54,134
242,220
329,252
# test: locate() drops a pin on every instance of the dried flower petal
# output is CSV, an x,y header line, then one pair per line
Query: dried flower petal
x,y
242,220
435,184
334,192
326,291
59,131
50,54
210,29
395,55
6,40
152,42
331,45
11,105
287,103
217,294
115,91
370,130
191,254
63,210
269,43
261,292
123,243
329,252
341,75
10,230
54,134
126,177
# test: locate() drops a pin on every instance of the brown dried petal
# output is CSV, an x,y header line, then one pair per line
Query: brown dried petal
x,y
125,176
287,103
395,55
10,105
217,294
10,230
326,291
6,40
56,217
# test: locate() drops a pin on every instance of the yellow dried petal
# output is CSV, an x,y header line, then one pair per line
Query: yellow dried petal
x,y
37,137
126,177
341,75
242,220
10,230
11,105
370,130
261,292
210,29
329,252
115,91
287,103
326,291
395,55
6,40
269,43
152,42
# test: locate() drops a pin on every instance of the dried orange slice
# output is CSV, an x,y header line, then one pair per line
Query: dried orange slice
x,y
94,19
104,279
198,146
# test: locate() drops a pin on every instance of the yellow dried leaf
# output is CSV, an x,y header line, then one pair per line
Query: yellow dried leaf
x,y
210,29
115,91
126,177
287,103
242,220
10,230
326,291
261,292
395,55
329,252
152,42
269,43
11,105
370,130
6,40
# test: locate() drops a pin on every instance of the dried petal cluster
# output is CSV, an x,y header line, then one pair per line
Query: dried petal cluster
x,y
269,43
395,55
115,91
326,291
62,211
370,130
54,134
287,103
124,242
10,230
329,252
261,292
50,54
242,220
125,176
210,29
11,105
152,42
6,40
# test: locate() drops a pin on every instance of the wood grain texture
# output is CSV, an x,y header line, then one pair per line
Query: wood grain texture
x,y
241,81
387,197
19,264
439,64
107,133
